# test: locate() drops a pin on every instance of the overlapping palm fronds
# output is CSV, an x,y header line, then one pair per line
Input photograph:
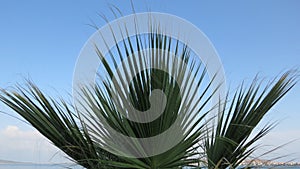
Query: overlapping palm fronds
x,y
82,135
83,140
230,144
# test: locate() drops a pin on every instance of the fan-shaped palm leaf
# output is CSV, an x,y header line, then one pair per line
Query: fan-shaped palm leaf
x,y
185,102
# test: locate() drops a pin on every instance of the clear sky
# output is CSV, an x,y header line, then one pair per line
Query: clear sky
x,y
41,40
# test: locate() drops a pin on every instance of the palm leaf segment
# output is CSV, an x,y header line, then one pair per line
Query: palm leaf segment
x,y
230,143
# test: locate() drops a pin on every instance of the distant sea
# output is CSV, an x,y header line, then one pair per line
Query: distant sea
x,y
280,167
65,166
39,166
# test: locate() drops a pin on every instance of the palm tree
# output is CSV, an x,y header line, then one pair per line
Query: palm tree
x,y
80,132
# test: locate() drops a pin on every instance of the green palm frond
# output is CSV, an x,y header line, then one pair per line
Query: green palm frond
x,y
58,122
230,143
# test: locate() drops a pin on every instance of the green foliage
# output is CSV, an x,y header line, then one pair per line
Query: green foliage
x,y
186,102
58,122
229,143
80,133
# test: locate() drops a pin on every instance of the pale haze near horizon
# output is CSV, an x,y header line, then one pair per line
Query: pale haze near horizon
x,y
41,41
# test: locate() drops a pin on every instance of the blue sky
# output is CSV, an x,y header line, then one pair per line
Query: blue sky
x,y
41,40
